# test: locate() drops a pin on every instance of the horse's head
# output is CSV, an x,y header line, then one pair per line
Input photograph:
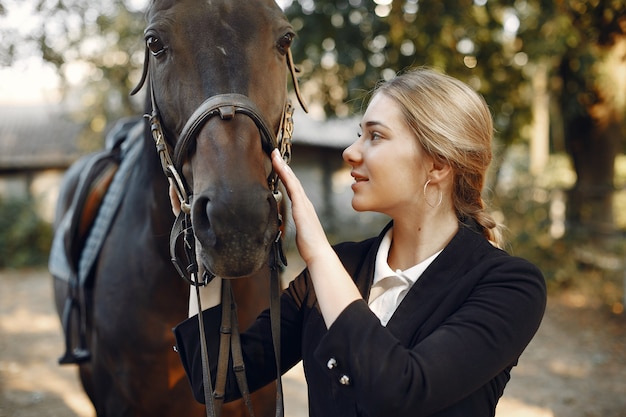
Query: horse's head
x,y
217,74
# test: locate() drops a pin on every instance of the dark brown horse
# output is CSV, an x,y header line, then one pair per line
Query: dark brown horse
x,y
195,50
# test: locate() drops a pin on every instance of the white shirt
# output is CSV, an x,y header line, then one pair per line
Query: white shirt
x,y
390,287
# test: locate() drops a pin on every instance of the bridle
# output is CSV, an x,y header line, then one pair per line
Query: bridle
x,y
226,106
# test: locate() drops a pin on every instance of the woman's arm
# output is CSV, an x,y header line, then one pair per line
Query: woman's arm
x,y
334,287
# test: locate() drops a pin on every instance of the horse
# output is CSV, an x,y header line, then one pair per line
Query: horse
x,y
197,52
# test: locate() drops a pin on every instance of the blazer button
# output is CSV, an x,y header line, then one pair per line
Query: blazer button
x,y
332,363
344,380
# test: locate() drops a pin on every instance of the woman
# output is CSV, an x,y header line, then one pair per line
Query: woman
x,y
428,318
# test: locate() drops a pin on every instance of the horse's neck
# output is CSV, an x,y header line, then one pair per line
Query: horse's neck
x,y
150,190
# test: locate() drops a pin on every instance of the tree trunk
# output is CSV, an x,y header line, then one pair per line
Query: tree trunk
x,y
540,140
593,147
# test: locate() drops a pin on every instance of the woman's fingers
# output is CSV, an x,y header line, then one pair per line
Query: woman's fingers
x,y
310,235
296,193
284,172
174,201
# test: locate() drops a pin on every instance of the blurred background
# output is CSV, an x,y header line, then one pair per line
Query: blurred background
x,y
552,71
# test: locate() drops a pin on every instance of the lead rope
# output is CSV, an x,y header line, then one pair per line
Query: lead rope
x,y
225,342
278,260
278,263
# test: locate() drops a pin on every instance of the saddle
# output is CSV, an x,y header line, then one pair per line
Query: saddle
x,y
81,232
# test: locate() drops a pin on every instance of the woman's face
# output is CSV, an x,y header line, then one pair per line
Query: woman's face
x,y
388,165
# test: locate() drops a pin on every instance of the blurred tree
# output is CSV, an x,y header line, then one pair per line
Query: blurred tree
x,y
513,52
346,46
592,99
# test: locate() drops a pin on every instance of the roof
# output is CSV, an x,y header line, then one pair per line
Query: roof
x,y
44,136
329,133
37,137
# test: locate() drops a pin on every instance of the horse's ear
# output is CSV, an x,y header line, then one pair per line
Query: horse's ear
x,y
144,73
294,70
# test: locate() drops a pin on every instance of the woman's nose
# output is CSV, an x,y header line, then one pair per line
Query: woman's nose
x,y
351,154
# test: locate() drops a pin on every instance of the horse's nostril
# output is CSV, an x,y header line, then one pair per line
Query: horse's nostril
x,y
200,213
199,204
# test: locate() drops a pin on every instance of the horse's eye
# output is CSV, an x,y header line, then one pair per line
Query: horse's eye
x,y
285,42
155,45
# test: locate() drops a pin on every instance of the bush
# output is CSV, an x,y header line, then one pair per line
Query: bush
x,y
24,237
571,262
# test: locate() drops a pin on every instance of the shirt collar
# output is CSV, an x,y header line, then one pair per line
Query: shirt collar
x,y
382,268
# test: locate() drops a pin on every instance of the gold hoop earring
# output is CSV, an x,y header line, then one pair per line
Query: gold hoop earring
x,y
426,199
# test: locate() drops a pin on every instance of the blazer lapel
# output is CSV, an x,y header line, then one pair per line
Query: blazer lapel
x,y
426,300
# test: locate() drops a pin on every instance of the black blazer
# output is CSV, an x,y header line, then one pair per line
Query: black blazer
x,y
447,351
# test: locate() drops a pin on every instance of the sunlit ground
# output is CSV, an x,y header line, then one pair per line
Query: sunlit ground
x,y
575,367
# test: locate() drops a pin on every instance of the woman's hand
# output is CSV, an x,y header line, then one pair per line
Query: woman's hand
x,y
310,236
174,201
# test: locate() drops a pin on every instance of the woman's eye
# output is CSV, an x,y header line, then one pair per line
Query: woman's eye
x,y
369,136
155,45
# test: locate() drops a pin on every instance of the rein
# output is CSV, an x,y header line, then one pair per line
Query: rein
x,y
226,106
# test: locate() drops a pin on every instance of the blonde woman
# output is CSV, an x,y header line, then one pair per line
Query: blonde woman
x,y
428,318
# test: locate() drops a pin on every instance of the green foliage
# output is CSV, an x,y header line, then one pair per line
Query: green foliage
x,y
592,30
345,48
569,263
24,237
532,212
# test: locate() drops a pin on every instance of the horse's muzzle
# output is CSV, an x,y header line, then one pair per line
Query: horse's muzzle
x,y
234,229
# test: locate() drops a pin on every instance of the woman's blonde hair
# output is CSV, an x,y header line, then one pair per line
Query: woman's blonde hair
x,y
453,124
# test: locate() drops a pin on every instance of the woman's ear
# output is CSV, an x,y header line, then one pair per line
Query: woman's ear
x,y
439,171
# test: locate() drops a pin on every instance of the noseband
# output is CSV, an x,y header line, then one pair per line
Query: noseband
x,y
226,106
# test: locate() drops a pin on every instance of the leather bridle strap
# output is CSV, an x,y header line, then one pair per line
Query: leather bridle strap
x,y
230,342
277,263
238,366
225,343
226,106
206,370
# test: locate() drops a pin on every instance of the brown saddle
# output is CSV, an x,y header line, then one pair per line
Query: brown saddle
x,y
98,180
